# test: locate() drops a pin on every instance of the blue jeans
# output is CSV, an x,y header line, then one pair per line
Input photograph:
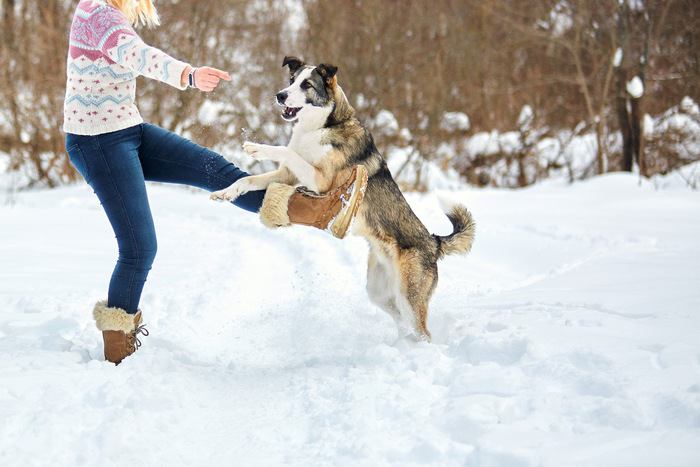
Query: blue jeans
x,y
116,166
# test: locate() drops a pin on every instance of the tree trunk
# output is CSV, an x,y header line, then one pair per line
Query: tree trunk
x,y
635,120
625,111
623,118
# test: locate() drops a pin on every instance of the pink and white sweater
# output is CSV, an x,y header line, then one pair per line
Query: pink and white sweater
x,y
105,57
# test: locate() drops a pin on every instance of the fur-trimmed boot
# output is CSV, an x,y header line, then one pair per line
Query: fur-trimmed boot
x,y
119,331
285,205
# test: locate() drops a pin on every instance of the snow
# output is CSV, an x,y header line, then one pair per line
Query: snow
x,y
574,153
385,123
687,176
569,337
679,129
431,177
210,112
635,87
526,117
672,140
483,143
689,106
617,59
560,19
295,19
579,154
648,125
455,121
636,5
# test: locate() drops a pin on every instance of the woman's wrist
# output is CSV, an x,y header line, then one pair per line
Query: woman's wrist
x,y
185,78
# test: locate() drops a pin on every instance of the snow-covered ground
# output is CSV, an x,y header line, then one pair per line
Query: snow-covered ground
x,y
569,337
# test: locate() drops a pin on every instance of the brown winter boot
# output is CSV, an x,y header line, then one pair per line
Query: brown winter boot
x,y
119,331
334,211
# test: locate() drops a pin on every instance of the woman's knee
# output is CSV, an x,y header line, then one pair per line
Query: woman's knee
x,y
139,251
148,256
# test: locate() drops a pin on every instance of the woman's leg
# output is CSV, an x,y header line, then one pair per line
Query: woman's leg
x,y
168,157
112,167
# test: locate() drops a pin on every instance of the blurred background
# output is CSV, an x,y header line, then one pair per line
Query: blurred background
x,y
501,93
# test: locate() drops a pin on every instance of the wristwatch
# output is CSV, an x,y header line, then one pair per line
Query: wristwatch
x,y
190,78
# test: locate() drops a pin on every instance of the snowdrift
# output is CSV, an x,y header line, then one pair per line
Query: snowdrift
x,y
568,337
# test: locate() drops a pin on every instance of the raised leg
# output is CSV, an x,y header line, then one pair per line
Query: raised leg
x,y
307,174
170,158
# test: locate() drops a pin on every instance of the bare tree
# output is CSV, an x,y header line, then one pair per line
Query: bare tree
x,y
32,64
416,58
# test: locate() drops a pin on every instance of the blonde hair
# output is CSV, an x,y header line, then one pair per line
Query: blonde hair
x,y
138,11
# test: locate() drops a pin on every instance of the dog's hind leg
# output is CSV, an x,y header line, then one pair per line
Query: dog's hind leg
x,y
418,279
381,287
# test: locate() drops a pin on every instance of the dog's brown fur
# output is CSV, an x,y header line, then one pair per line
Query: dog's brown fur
x,y
402,272
403,254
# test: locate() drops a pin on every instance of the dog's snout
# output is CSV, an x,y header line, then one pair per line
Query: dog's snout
x,y
281,97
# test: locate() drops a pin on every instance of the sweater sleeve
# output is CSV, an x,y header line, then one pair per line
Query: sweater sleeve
x,y
120,43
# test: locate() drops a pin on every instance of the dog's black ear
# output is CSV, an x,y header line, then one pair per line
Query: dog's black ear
x,y
327,72
293,63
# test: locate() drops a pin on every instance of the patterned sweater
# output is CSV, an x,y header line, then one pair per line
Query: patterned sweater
x,y
105,57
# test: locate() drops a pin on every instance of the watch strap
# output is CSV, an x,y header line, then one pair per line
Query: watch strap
x,y
190,79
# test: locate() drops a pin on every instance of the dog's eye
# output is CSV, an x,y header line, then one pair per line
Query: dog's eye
x,y
305,85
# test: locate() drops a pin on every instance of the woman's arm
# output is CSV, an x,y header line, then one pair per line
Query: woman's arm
x,y
121,44
205,78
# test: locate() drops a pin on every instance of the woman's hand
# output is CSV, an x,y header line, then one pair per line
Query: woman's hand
x,y
206,78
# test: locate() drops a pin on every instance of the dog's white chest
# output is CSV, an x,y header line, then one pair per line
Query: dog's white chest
x,y
308,145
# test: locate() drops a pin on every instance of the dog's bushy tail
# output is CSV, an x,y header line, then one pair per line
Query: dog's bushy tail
x,y
463,227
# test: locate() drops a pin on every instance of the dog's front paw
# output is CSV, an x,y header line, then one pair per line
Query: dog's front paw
x,y
254,149
229,194
261,152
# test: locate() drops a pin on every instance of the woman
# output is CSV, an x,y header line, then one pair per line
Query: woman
x,y
116,152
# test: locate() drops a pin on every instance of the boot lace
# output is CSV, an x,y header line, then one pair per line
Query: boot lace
x,y
134,340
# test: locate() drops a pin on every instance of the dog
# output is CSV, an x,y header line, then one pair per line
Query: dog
x,y
327,142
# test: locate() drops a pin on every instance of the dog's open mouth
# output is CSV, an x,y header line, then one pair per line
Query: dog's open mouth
x,y
290,113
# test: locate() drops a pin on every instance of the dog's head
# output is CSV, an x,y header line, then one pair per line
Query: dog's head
x,y
312,91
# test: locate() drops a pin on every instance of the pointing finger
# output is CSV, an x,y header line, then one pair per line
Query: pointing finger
x,y
220,74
